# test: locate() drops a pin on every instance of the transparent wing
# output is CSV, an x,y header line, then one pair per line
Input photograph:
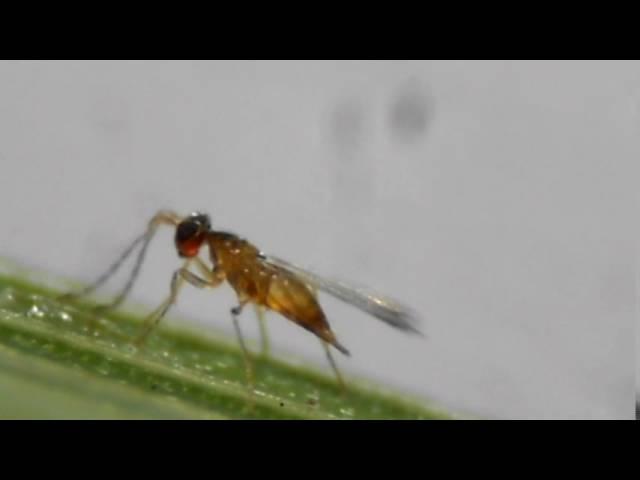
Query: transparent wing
x,y
383,308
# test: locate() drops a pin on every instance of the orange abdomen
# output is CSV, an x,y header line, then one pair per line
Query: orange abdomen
x,y
289,297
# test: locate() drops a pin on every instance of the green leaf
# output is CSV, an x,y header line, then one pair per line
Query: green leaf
x,y
63,360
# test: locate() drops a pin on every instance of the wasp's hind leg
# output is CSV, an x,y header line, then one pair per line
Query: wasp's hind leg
x,y
248,365
334,366
264,333
327,349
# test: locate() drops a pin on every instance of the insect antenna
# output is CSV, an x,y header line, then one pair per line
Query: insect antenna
x,y
144,238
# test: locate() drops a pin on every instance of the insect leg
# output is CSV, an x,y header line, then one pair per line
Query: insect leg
x,y
264,334
215,276
235,312
177,280
334,365
327,349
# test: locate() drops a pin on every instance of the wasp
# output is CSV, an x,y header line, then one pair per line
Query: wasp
x,y
267,282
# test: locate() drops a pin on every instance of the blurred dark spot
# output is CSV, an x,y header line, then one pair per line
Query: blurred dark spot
x,y
409,114
347,125
154,386
312,401
282,404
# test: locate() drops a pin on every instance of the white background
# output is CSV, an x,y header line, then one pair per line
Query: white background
x,y
497,198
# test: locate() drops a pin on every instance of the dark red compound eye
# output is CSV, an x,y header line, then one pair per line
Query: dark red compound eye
x,y
190,248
